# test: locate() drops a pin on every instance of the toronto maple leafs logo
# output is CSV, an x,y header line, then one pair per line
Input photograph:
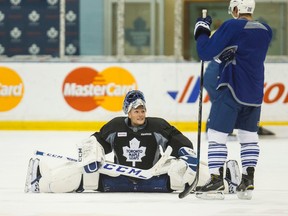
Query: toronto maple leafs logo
x,y
135,152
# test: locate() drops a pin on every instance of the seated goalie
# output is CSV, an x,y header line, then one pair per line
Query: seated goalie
x,y
138,142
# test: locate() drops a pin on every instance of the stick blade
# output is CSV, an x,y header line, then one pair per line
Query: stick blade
x,y
188,188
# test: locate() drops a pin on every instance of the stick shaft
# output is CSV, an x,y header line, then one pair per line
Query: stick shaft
x,y
113,169
107,168
204,13
191,187
57,156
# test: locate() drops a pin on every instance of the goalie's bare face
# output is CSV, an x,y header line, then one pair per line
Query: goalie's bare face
x,y
137,116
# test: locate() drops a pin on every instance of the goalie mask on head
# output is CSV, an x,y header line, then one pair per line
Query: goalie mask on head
x,y
244,6
133,99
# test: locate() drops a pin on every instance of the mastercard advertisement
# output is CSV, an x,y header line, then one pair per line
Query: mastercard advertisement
x,y
54,92
11,89
85,89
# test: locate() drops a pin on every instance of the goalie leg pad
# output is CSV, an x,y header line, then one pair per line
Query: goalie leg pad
x,y
33,176
64,179
233,176
204,173
180,174
91,181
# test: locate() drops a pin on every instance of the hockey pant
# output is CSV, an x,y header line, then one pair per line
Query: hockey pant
x,y
162,183
128,184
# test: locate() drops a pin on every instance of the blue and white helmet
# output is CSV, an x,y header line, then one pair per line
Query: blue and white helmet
x,y
244,6
133,99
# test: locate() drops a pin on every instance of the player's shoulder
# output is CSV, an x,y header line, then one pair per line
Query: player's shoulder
x,y
230,27
236,23
267,26
232,23
113,124
157,122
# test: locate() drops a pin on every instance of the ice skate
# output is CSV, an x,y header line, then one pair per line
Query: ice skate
x,y
246,187
265,132
213,189
33,176
232,176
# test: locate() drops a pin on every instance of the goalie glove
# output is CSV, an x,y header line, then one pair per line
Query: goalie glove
x,y
91,154
202,26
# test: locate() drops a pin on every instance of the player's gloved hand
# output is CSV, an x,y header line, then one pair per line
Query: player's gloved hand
x,y
91,154
202,26
189,156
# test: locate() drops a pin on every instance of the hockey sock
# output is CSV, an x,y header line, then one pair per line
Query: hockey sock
x,y
249,155
217,155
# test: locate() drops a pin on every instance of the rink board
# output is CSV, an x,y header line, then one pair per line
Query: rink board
x,y
83,96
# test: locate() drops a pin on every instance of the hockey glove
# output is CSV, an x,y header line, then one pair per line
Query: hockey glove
x,y
189,156
91,154
202,26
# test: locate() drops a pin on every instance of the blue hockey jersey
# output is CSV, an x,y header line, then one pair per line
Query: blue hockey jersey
x,y
244,74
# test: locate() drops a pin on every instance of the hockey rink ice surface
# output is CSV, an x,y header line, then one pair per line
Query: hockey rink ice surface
x,y
270,196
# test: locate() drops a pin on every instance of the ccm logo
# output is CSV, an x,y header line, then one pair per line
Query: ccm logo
x,y
122,169
275,92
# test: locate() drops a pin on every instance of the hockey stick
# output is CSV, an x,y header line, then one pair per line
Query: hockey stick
x,y
188,188
112,169
57,156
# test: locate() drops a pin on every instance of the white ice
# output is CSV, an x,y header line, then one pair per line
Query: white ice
x,y
270,196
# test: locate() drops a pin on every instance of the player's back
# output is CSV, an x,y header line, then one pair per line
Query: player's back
x,y
245,75
252,38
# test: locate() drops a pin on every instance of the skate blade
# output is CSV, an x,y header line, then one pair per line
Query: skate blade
x,y
211,195
246,195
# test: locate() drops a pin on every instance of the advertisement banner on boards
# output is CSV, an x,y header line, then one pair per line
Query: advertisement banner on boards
x,y
95,92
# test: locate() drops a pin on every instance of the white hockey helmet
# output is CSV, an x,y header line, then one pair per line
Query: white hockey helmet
x,y
133,99
244,6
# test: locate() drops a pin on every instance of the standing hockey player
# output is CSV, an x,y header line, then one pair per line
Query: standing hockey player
x,y
136,141
211,77
240,46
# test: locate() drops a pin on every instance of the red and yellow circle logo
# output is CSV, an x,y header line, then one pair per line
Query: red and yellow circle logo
x,y
85,89
11,89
